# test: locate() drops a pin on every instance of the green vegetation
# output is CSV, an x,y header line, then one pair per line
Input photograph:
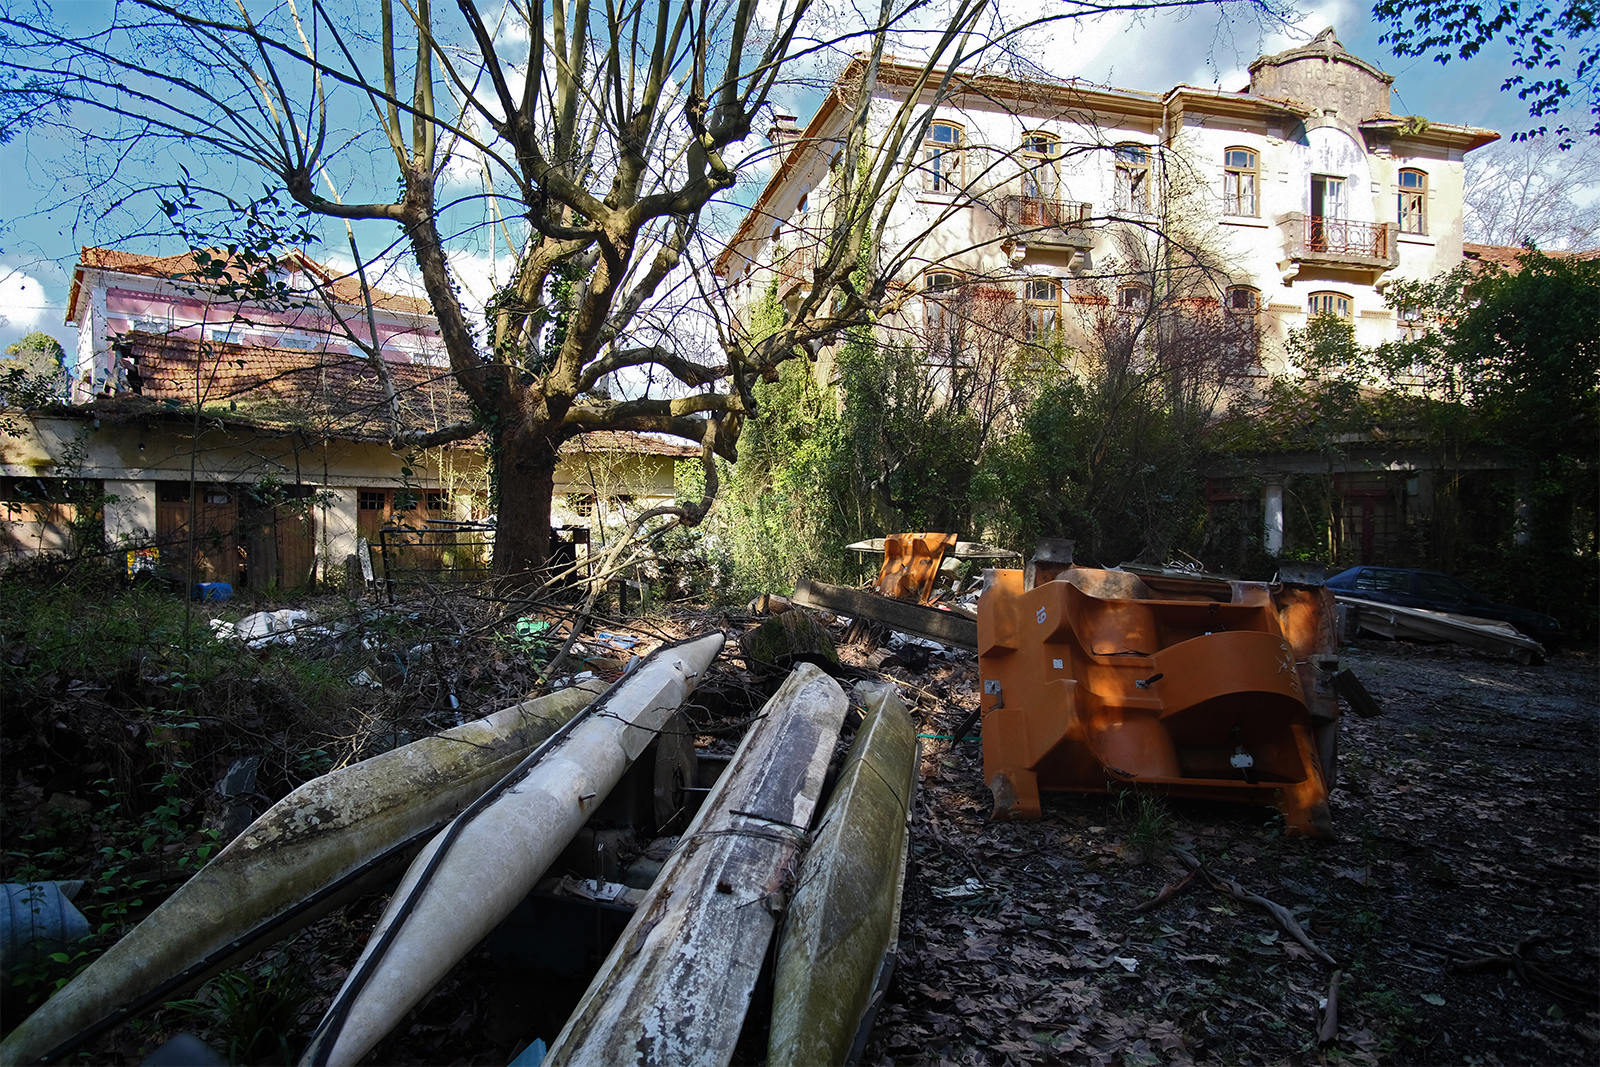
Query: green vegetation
x,y
1112,445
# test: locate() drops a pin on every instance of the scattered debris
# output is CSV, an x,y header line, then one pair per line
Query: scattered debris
x,y
1419,624
836,953
677,984
541,803
1280,914
268,628
336,833
1533,974
1328,1029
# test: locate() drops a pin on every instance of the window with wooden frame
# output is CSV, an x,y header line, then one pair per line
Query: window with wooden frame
x,y
1413,202
1242,300
1411,321
1041,299
1329,304
1133,297
941,158
939,319
1132,181
1040,179
1240,180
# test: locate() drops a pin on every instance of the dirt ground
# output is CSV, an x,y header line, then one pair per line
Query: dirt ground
x,y
1460,902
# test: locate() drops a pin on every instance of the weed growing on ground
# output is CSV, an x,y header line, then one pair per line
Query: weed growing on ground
x,y
251,1016
1147,824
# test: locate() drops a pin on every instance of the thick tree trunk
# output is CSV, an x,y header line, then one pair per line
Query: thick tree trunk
x,y
526,473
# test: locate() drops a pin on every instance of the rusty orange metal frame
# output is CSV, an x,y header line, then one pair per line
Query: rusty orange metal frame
x,y
911,564
1191,687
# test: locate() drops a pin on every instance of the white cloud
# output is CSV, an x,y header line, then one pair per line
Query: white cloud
x,y
22,300
33,296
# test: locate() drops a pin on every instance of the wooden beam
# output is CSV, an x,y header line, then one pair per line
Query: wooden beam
x,y
675,988
946,627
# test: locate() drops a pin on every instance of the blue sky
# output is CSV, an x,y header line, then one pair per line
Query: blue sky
x,y
38,244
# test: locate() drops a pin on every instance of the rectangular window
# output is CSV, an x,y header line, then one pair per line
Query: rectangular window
x,y
1240,169
436,502
1042,298
941,324
1413,199
1132,192
1243,300
1384,580
941,158
1133,298
371,499
1039,178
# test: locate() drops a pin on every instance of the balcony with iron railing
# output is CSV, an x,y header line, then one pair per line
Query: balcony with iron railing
x,y
1315,240
1046,221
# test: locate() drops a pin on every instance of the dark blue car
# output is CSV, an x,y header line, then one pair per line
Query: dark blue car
x,y
1439,592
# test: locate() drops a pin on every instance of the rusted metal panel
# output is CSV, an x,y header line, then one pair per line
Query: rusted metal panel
x,y
675,988
1187,686
843,921
911,564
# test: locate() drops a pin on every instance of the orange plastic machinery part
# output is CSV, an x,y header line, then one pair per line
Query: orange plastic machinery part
x,y
1192,688
911,564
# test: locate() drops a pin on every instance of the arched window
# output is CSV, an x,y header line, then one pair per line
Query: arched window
x,y
1040,180
1241,169
1329,304
1041,298
1132,191
1413,206
1242,300
941,158
1133,297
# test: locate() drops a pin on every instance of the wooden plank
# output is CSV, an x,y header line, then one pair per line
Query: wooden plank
x,y
844,919
947,627
676,986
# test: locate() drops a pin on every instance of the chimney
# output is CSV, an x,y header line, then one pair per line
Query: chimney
x,y
783,132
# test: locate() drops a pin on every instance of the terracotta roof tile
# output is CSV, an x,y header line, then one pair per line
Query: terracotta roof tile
x,y
283,384
337,392
627,441
345,288
1509,257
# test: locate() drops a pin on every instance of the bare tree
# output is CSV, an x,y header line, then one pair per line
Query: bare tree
x,y
1532,191
582,145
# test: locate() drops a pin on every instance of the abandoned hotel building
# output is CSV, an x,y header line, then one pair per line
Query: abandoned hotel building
x,y
1303,193
268,405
